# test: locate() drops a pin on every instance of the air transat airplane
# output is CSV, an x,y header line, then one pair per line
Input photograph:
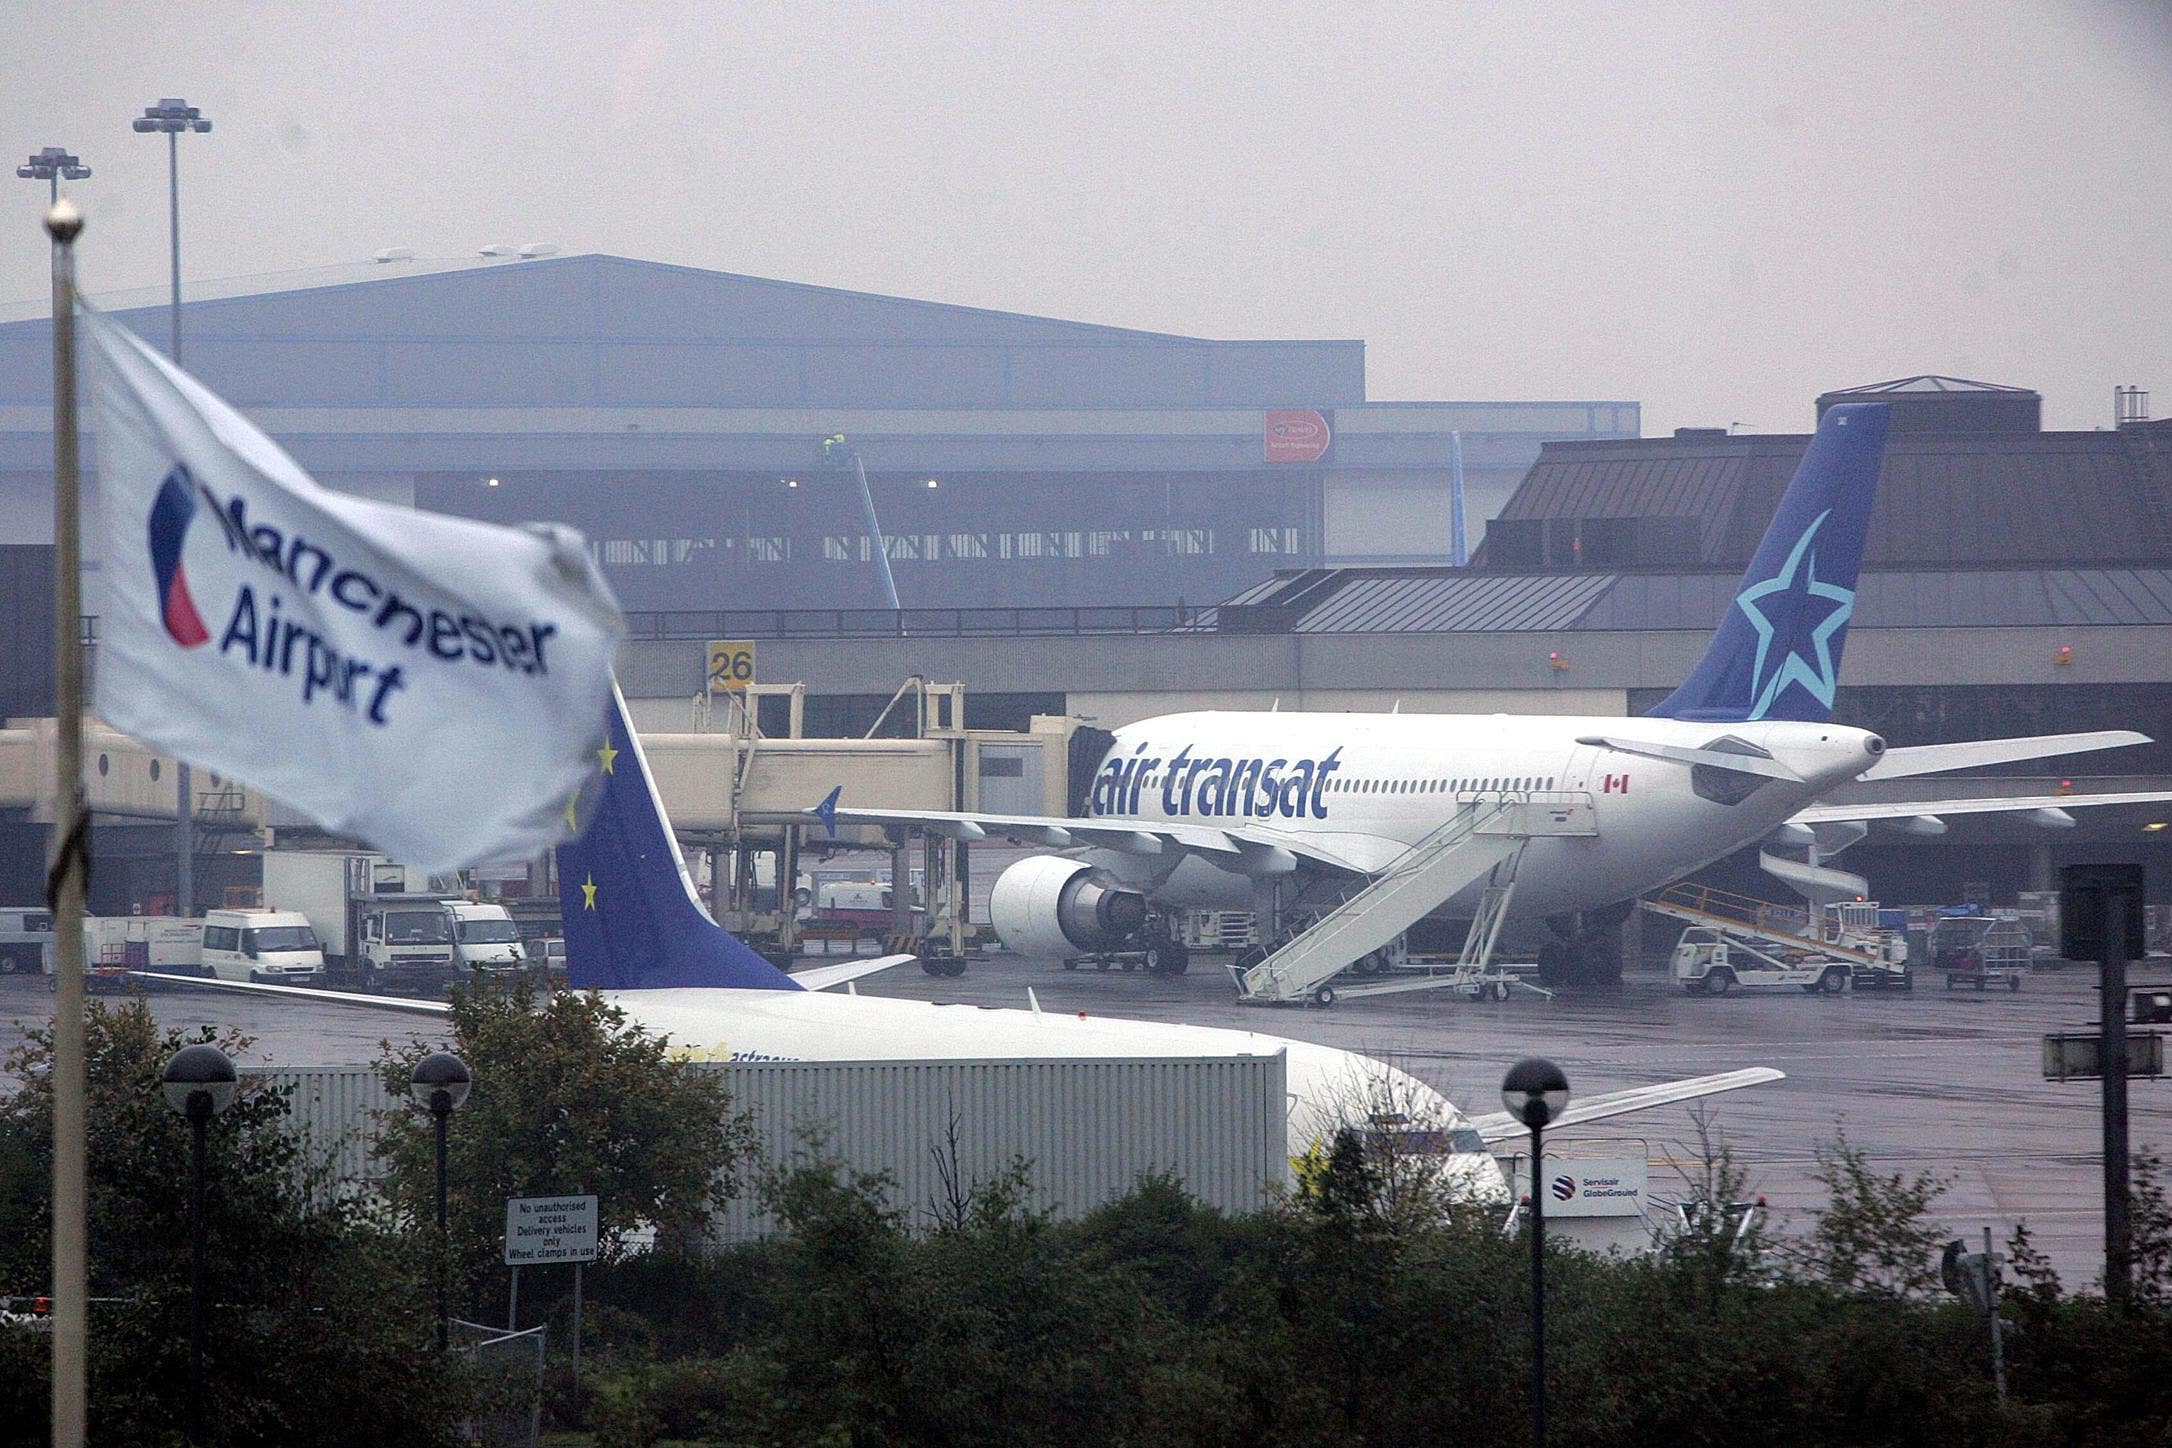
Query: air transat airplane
x,y
636,932
1291,813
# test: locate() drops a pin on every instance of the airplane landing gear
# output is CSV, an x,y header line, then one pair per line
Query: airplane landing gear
x,y
1585,953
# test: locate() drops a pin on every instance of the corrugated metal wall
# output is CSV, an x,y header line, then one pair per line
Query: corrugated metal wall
x,y
1088,1128
334,1108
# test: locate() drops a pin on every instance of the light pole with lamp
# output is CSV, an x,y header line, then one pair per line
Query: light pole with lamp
x,y
441,1082
172,116
53,165
1535,1093
200,1082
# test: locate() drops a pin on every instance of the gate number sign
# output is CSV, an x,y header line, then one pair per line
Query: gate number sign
x,y
542,1230
731,665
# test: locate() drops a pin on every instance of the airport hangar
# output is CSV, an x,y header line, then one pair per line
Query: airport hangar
x,y
676,416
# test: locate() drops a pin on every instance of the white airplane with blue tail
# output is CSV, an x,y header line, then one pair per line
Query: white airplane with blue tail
x,y
1367,823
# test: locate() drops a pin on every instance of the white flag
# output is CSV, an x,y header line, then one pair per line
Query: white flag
x,y
433,686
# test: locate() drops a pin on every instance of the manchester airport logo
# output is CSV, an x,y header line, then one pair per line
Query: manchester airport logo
x,y
170,516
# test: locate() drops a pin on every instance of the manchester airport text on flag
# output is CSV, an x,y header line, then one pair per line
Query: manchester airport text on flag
x,y
433,686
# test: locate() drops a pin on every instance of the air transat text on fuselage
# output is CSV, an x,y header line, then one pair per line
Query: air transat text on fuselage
x,y
1209,787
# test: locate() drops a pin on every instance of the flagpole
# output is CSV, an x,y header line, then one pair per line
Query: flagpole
x,y
67,866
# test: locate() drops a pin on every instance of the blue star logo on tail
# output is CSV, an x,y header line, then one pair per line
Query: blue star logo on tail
x,y
827,811
1783,609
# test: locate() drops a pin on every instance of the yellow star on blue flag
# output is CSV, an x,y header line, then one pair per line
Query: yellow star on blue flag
x,y
588,893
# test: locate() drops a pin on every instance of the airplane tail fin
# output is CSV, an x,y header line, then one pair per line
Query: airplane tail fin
x,y
1777,652
632,919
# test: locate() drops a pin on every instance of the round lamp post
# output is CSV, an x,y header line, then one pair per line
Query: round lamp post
x,y
440,1084
1535,1093
199,1083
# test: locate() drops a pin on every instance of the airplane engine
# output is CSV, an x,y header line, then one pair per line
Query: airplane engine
x,y
1046,905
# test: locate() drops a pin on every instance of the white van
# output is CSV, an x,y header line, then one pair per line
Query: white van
x,y
277,947
484,936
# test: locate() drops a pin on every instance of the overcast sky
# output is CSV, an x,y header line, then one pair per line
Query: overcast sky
x,y
1716,210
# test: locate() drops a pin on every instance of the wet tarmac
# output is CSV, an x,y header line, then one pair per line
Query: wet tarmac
x,y
1938,1081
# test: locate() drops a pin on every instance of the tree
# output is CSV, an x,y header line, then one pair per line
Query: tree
x,y
1875,1234
2149,1228
317,1315
569,1097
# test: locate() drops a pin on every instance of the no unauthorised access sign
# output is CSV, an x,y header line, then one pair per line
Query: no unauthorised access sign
x,y
542,1230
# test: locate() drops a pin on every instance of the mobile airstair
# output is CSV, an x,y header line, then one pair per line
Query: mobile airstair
x,y
1741,940
1483,839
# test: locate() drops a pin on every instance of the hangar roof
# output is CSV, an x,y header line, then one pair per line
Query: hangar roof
x,y
1444,600
1945,499
606,330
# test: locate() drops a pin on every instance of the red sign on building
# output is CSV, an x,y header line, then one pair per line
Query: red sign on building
x,y
1296,435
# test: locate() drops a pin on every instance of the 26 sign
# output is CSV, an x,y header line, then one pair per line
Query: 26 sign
x,y
731,665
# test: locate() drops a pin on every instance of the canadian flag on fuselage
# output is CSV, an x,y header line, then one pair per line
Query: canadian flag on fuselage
x,y
1777,652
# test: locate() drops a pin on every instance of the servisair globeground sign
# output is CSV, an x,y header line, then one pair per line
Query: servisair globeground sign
x,y
434,686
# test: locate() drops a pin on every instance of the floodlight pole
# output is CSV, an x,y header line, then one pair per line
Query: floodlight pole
x,y
49,166
184,838
173,116
68,866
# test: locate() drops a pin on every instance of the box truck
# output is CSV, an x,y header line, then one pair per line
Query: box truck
x,y
379,924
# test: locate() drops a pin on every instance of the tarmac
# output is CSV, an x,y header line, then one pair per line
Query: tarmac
x,y
1948,1083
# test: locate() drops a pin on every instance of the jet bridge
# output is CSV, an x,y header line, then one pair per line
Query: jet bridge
x,y
1483,839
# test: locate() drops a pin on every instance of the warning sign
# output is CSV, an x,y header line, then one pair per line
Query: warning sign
x,y
549,1229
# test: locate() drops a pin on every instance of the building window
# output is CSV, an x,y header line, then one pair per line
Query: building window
x,y
655,552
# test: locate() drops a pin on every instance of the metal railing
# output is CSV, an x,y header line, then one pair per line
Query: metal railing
x,y
827,623
884,623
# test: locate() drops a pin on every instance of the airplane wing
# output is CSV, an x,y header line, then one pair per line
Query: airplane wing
x,y
823,977
1893,809
1359,854
1500,1126
405,1005
1936,758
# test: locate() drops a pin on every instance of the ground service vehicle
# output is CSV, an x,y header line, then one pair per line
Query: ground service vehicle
x,y
26,940
275,947
404,942
485,937
144,942
379,924
1710,962
1977,948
